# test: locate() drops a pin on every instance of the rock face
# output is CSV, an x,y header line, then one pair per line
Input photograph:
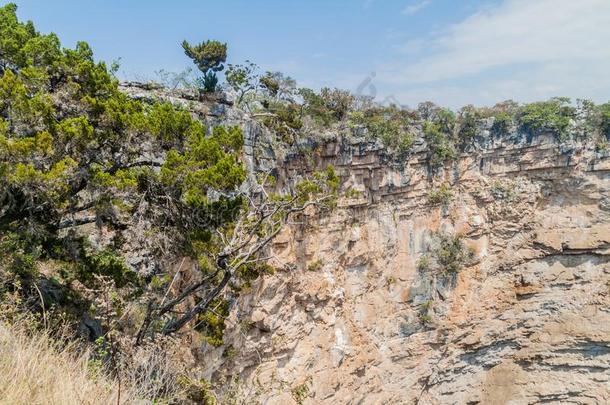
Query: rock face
x,y
527,321
356,317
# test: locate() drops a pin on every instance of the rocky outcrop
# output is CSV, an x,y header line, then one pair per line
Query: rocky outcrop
x,y
528,321
354,317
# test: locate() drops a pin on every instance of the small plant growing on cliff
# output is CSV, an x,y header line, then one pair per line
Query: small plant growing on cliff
x,y
442,195
426,312
423,264
452,254
209,57
285,119
503,190
198,391
602,145
353,193
301,391
315,266
447,254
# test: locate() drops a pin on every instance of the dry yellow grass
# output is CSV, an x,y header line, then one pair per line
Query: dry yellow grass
x,y
35,369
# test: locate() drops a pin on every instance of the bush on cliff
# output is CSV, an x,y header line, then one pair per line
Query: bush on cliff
x,y
553,115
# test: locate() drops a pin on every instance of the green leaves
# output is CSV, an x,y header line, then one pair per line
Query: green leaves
x,y
209,57
388,124
242,79
207,162
440,144
168,124
14,37
553,115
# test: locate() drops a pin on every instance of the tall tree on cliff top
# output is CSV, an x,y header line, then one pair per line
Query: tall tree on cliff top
x,y
209,56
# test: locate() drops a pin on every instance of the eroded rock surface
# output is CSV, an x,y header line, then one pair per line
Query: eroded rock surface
x,y
353,317
527,321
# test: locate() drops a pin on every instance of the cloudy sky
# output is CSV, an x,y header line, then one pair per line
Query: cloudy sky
x,y
447,51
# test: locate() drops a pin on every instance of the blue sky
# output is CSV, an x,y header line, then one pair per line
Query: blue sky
x,y
447,51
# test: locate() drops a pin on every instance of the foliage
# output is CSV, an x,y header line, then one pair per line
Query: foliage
x,y
553,115
328,106
285,119
212,322
209,57
243,79
315,266
604,119
447,254
390,125
451,253
503,190
105,263
441,147
71,154
279,86
502,123
442,195
423,263
445,119
301,392
198,391
468,119
207,162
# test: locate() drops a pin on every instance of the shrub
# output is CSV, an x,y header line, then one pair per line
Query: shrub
x,y
447,254
442,195
285,121
212,322
468,119
604,119
502,123
440,144
423,264
451,253
503,190
301,392
553,115
390,125
328,106
315,266
445,119
243,79
279,86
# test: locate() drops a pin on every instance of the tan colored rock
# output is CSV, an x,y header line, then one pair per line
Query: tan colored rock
x,y
526,321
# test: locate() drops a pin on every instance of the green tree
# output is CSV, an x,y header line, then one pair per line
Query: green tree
x,y
209,57
75,151
243,79
553,115
279,86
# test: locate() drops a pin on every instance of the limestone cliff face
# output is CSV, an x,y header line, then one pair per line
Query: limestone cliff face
x,y
351,318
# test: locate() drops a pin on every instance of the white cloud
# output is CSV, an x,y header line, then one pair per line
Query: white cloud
x,y
544,48
414,8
